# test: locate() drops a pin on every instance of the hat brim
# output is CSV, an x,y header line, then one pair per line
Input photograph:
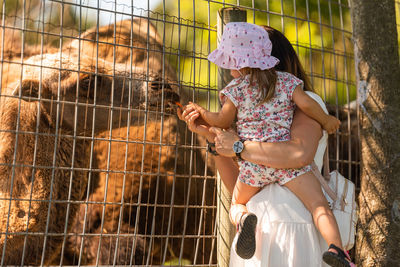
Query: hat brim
x,y
235,62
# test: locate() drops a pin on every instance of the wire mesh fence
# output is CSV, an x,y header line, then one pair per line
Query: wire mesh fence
x,y
95,167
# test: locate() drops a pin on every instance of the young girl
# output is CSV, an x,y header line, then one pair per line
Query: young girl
x,y
263,101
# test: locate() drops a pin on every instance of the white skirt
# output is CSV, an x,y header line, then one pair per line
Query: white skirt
x,y
286,235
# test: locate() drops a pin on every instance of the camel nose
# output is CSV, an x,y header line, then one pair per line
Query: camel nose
x,y
158,87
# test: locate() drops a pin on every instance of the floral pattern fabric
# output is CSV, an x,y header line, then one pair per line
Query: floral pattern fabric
x,y
265,122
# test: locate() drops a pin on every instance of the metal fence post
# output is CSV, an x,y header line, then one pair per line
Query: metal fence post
x,y
226,231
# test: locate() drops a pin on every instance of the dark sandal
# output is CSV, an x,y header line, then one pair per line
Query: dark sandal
x,y
246,242
339,259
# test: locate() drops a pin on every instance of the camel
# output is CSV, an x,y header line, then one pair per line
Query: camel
x,y
157,162
59,115
48,111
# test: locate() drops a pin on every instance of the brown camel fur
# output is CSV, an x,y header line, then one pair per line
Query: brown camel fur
x,y
69,112
62,121
74,117
27,176
157,165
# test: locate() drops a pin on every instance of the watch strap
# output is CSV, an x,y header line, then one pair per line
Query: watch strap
x,y
211,148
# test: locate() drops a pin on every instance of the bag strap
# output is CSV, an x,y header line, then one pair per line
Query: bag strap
x,y
344,196
323,182
326,163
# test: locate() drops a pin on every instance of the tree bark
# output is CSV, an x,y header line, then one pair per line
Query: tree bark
x,y
378,77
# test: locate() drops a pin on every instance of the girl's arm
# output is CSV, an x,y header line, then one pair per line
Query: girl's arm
x,y
227,167
295,153
222,119
314,110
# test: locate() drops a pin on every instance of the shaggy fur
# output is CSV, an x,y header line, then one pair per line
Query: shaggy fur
x,y
155,185
146,173
73,116
21,182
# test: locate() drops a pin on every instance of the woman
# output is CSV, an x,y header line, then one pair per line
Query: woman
x,y
286,235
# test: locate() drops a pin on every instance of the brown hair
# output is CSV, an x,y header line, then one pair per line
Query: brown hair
x,y
265,79
283,50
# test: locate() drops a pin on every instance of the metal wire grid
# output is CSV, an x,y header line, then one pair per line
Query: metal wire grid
x,y
321,33
144,167
172,180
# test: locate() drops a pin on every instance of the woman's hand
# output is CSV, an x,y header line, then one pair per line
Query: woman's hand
x,y
195,123
224,141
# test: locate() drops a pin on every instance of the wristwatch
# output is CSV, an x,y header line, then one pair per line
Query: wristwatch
x,y
238,147
211,148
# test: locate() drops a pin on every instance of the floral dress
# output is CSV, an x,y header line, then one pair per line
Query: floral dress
x,y
266,122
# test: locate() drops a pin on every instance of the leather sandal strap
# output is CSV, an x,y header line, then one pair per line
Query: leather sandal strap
x,y
239,224
340,252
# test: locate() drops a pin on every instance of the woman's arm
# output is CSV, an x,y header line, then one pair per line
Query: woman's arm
x,y
228,170
295,153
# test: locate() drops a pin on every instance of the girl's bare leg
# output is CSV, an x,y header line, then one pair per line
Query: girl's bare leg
x,y
241,195
246,222
308,189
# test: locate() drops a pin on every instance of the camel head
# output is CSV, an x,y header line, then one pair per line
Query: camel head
x,y
79,96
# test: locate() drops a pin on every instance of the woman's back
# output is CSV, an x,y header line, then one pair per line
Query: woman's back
x,y
286,235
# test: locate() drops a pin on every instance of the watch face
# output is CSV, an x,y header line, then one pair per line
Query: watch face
x,y
238,147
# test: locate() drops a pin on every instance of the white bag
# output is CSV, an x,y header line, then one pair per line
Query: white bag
x,y
340,193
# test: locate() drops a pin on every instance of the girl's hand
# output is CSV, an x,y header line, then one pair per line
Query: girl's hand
x,y
331,124
224,141
198,108
195,123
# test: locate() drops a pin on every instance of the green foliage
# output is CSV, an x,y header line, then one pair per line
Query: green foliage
x,y
37,16
176,262
320,32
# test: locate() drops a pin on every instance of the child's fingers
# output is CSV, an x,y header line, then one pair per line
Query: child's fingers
x,y
187,109
191,122
179,112
195,106
192,116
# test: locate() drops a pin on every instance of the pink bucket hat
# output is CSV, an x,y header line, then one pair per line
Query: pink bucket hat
x,y
244,45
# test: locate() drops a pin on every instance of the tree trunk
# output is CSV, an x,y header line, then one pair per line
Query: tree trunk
x,y
378,77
